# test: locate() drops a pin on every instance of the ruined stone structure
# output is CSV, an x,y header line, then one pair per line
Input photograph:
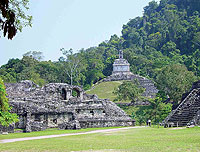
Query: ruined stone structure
x,y
121,71
53,106
188,111
121,65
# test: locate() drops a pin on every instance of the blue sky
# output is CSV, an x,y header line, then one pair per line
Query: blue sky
x,y
72,24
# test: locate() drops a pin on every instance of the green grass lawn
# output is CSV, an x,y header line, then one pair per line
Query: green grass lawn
x,y
137,139
51,131
104,90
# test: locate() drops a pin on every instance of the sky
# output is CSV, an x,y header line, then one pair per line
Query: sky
x,y
69,24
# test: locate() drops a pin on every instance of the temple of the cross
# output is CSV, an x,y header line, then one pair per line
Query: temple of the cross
x,y
121,65
121,71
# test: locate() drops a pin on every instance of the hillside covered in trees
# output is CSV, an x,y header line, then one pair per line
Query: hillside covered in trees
x,y
162,45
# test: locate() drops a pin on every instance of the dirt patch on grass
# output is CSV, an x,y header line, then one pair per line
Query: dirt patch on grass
x,y
114,132
177,128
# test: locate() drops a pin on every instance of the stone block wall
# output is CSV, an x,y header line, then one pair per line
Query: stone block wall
x,y
51,107
188,110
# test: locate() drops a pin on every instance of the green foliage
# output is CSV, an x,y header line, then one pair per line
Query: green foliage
x,y
157,111
167,34
167,28
3,100
137,139
71,63
13,17
129,90
175,80
6,117
37,55
109,65
74,93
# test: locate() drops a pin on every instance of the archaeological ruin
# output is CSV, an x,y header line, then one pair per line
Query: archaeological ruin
x,y
188,111
121,71
54,106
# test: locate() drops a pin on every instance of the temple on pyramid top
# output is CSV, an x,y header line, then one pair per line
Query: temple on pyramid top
x,y
121,71
121,65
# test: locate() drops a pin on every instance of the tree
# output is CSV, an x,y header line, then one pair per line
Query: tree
x,y
109,65
29,61
169,48
6,117
71,63
129,90
13,17
31,74
37,55
151,8
175,80
157,110
48,71
196,39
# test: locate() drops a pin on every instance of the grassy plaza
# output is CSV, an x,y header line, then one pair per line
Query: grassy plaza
x,y
137,139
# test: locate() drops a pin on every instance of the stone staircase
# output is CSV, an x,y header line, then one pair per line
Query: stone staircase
x,y
196,119
186,111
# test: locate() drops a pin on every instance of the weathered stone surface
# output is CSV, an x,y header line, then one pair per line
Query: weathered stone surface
x,y
196,119
150,89
53,106
122,66
121,71
9,129
188,111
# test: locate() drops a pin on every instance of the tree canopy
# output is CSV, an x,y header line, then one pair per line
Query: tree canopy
x,y
175,80
167,34
13,17
129,90
71,64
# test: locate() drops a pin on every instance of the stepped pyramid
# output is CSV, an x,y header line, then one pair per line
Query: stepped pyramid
x,y
121,71
188,112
